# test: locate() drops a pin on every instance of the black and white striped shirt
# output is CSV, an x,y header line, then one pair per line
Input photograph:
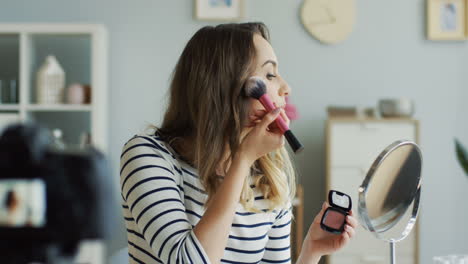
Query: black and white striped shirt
x,y
162,200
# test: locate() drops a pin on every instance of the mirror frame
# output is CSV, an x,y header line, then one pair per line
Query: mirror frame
x,y
363,189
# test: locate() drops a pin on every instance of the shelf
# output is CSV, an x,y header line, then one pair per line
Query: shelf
x,y
81,50
77,64
9,107
72,124
52,28
59,108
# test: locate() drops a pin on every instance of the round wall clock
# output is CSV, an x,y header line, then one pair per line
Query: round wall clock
x,y
330,21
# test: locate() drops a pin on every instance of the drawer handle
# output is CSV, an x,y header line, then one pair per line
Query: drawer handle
x,y
369,126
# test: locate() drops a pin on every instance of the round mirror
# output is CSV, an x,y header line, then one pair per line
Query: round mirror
x,y
389,195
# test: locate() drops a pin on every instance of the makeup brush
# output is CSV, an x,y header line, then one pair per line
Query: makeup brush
x,y
256,88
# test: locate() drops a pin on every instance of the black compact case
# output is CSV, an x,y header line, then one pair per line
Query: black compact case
x,y
334,217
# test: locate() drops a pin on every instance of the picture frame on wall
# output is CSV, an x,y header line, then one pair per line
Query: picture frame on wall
x,y
219,10
447,19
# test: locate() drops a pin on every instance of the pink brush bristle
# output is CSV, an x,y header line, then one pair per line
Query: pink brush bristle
x,y
291,110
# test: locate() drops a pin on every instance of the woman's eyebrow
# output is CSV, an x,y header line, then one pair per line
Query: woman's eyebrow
x,y
270,61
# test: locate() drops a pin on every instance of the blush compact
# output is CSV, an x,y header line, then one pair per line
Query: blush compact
x,y
334,217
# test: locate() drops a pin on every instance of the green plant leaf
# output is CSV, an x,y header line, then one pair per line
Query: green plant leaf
x,y
462,155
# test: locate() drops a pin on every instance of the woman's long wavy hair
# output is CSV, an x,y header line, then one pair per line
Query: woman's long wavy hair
x,y
207,105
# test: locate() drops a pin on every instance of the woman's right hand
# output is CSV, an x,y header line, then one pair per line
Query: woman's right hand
x,y
261,140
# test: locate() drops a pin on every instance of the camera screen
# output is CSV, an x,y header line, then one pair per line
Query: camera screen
x,y
22,203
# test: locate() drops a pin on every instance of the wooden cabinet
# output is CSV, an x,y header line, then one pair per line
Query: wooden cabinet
x,y
351,147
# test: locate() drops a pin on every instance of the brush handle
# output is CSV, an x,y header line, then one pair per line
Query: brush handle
x,y
288,134
296,146
269,106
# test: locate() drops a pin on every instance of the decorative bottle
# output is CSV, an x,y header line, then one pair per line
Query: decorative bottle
x,y
50,82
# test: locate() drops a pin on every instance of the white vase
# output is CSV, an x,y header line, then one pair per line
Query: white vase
x,y
50,82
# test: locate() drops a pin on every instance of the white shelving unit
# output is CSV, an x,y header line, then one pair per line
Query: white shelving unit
x,y
352,144
81,49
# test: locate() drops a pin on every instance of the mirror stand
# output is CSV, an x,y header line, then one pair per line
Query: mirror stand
x,y
392,251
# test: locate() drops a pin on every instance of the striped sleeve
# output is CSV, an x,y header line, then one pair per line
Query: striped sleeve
x,y
152,192
278,247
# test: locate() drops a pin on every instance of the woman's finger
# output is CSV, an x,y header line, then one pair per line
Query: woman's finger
x,y
351,221
351,232
253,123
345,238
253,117
285,117
269,118
318,217
325,205
259,113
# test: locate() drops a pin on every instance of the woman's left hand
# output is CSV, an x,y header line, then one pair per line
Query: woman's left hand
x,y
319,242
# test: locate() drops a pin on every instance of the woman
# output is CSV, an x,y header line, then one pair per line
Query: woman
x,y
214,183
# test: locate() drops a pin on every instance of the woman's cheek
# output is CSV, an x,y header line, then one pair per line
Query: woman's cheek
x,y
254,106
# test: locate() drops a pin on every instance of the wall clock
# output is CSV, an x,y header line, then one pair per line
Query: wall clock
x,y
330,21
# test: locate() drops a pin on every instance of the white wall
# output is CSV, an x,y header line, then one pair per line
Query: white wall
x,y
386,56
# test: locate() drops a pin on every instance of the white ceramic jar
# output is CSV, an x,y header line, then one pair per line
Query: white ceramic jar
x,y
50,82
76,94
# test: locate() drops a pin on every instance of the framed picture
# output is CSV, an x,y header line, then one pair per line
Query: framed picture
x,y
447,19
219,10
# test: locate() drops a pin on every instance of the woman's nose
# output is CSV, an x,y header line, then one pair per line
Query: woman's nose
x,y
284,89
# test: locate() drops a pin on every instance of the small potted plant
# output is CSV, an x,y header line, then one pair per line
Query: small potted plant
x,y
462,155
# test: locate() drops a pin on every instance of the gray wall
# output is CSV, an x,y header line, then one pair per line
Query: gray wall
x,y
386,56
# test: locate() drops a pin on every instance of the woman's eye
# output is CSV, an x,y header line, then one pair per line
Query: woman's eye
x,y
270,76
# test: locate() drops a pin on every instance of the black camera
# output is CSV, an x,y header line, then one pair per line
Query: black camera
x,y
50,200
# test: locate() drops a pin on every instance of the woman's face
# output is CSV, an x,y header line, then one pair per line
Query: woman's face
x,y
266,67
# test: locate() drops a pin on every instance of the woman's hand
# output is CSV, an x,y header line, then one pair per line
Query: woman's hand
x,y
263,136
319,242
256,116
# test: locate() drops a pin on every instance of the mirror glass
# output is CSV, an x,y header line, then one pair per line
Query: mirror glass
x,y
389,195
